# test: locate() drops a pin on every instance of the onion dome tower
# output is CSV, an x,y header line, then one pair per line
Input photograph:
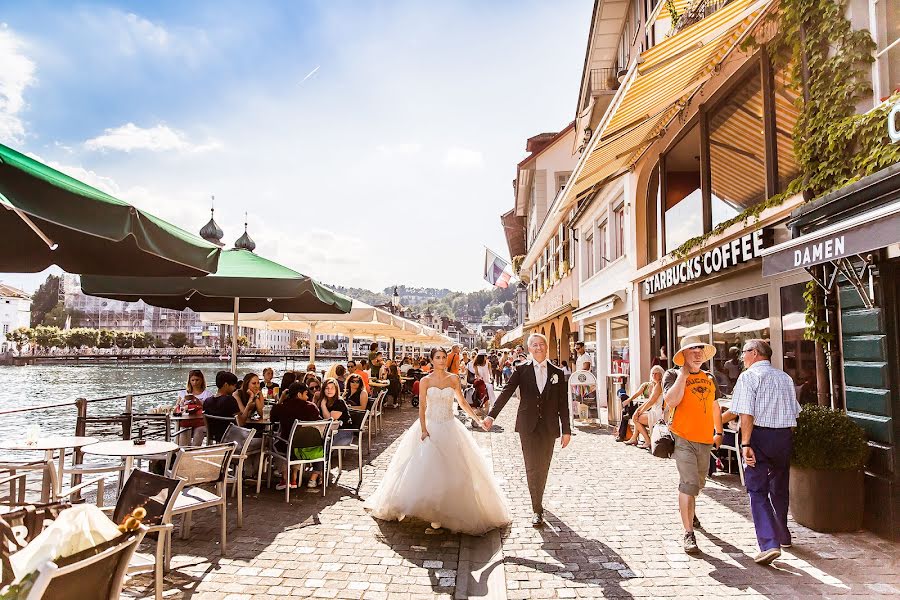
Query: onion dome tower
x,y
244,242
211,232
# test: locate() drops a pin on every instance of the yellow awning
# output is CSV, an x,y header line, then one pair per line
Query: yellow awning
x,y
664,77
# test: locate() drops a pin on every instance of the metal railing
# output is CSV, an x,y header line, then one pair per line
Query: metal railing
x,y
603,81
697,12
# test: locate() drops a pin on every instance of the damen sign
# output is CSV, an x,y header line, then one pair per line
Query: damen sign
x,y
729,254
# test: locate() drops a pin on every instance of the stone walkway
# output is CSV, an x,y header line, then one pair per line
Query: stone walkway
x,y
613,531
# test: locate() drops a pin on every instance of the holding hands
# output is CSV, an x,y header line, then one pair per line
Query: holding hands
x,y
487,424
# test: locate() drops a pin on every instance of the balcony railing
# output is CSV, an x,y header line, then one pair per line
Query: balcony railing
x,y
698,11
603,81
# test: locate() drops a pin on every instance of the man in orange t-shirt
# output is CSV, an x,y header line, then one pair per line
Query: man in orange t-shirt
x,y
453,360
362,369
693,395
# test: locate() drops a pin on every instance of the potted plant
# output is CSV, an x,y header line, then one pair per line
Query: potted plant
x,y
827,470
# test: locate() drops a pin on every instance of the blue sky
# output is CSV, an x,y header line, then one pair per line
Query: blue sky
x,y
370,142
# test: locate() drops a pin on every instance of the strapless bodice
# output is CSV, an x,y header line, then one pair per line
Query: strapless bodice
x,y
439,407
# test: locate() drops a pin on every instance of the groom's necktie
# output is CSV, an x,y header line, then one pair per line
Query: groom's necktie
x,y
541,377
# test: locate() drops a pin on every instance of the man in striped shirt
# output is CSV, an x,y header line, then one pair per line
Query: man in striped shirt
x,y
764,398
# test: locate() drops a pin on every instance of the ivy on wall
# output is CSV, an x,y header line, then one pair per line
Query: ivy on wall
x,y
829,64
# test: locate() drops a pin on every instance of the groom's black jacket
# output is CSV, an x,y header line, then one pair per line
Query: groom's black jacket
x,y
547,410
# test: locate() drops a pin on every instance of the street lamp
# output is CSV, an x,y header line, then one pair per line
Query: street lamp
x,y
395,308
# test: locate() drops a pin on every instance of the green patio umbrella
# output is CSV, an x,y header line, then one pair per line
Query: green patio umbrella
x,y
50,218
244,282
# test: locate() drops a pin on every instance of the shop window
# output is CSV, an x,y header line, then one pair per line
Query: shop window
x,y
618,243
737,150
684,200
619,352
602,237
588,256
786,115
659,351
799,355
694,321
733,323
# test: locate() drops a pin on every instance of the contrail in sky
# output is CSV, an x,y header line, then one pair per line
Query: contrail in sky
x,y
310,74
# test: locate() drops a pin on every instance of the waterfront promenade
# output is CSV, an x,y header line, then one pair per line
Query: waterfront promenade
x,y
612,532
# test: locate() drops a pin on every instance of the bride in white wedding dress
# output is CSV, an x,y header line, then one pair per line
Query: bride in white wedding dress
x,y
437,473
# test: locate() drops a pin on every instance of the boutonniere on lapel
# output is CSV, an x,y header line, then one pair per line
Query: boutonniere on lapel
x,y
555,379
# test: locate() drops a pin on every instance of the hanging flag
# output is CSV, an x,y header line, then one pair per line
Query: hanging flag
x,y
495,269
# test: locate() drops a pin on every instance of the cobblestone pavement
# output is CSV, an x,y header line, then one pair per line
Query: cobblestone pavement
x,y
613,531
314,547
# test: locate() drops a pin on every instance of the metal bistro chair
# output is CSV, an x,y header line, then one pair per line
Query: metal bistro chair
x,y
242,438
735,447
12,470
378,411
206,465
350,438
93,574
304,434
216,426
157,495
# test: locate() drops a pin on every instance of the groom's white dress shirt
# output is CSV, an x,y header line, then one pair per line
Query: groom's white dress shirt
x,y
540,375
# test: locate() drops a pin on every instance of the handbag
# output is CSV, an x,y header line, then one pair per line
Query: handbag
x,y
662,442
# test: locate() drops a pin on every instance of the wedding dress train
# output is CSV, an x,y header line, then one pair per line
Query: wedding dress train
x,y
441,479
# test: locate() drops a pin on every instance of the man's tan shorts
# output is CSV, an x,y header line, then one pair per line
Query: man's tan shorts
x,y
692,460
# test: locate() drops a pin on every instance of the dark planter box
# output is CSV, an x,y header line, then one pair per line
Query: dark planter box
x,y
827,501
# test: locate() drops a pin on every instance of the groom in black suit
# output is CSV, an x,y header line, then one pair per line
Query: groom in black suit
x,y
543,410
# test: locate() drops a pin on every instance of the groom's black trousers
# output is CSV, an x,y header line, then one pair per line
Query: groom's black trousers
x,y
537,449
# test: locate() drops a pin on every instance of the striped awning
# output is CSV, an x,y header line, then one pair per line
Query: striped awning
x,y
658,84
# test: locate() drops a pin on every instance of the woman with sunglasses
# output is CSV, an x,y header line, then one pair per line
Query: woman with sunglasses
x,y
355,392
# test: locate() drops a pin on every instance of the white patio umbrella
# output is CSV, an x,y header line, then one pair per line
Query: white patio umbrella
x,y
363,320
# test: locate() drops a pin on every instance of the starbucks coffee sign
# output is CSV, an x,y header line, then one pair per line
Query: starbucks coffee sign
x,y
737,251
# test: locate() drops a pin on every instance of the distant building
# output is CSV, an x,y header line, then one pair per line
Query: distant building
x,y
134,317
15,312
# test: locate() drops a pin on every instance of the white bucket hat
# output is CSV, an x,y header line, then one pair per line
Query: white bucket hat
x,y
692,341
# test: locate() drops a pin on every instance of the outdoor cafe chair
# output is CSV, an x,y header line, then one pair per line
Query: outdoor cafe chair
x,y
157,495
350,438
241,437
216,427
378,412
198,467
304,434
92,574
12,469
734,446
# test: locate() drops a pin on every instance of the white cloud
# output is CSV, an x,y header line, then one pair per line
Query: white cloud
x,y
16,74
143,32
160,138
92,178
463,158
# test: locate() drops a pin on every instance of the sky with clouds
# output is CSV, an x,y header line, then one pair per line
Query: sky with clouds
x,y
371,143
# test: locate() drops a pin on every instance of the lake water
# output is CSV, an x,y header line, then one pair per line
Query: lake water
x,y
48,384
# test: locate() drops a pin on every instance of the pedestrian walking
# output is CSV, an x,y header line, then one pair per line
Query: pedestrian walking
x,y
697,426
765,399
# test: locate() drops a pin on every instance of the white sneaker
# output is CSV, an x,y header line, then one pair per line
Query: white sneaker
x,y
312,483
767,556
435,525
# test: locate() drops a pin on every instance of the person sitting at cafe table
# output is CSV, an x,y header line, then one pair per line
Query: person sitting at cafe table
x,y
311,368
294,406
190,401
375,365
406,366
267,384
287,379
224,404
332,405
250,396
340,374
355,393
395,386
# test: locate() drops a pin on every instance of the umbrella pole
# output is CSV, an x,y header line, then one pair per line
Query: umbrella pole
x,y
234,335
350,348
312,343
37,230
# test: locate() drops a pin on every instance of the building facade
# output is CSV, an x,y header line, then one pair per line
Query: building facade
x,y
547,266
15,312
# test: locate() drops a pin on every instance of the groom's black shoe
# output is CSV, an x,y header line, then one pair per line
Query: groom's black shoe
x,y
537,520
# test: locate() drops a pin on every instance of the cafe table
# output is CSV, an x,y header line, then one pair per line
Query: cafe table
x,y
49,445
127,450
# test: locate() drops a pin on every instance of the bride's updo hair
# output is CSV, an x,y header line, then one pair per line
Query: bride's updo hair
x,y
436,350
